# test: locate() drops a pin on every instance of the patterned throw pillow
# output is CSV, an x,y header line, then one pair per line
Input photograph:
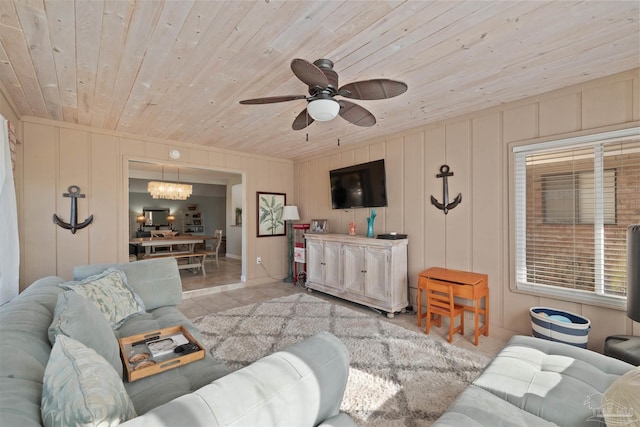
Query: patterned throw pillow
x,y
80,388
78,318
622,400
110,292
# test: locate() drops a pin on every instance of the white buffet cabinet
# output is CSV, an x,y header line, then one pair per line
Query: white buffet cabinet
x,y
364,270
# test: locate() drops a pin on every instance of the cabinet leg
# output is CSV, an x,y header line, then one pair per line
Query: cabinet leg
x,y
391,315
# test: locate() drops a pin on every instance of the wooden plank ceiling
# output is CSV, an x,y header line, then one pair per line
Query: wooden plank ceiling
x,y
177,69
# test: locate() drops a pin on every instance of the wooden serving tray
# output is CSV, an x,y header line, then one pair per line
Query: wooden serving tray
x,y
135,345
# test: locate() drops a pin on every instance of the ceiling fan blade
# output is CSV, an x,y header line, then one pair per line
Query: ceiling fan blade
x,y
272,99
356,114
373,89
309,73
302,121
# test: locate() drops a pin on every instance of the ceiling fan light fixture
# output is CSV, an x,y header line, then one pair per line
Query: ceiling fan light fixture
x,y
322,81
323,110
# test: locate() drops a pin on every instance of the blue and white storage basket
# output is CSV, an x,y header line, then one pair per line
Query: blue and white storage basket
x,y
558,325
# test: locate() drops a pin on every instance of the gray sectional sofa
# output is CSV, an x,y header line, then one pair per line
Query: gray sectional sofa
x,y
302,385
534,382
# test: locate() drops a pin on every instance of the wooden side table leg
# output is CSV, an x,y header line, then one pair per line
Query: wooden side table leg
x,y
419,306
476,315
486,315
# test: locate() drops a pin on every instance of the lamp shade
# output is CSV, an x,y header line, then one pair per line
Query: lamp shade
x,y
633,272
290,213
140,219
323,110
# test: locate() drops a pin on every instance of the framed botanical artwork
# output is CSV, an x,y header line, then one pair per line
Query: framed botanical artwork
x,y
270,207
319,226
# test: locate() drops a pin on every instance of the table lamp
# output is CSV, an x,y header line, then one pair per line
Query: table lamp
x,y
289,214
170,220
140,220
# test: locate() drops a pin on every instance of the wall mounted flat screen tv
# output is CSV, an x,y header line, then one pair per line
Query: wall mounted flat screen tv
x,y
359,186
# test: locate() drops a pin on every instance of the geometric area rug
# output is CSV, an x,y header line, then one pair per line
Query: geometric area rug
x,y
397,377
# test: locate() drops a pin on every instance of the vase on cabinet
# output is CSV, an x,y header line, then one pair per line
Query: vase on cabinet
x,y
370,220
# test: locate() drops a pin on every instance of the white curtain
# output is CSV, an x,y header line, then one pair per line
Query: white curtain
x,y
9,244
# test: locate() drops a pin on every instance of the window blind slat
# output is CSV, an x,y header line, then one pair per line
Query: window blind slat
x,y
573,206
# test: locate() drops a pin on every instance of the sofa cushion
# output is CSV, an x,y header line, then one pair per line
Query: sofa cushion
x,y
340,420
80,319
147,393
111,294
301,385
24,351
156,390
157,281
82,389
621,404
163,317
549,379
476,407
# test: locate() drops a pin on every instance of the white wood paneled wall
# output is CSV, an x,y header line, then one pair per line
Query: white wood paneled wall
x,y
55,155
475,235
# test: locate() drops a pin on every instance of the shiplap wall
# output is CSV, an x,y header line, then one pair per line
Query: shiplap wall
x,y
475,235
55,155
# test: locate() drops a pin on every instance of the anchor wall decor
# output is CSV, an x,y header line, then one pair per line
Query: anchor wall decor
x,y
445,205
74,193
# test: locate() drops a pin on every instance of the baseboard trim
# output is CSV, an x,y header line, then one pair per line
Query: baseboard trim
x,y
211,290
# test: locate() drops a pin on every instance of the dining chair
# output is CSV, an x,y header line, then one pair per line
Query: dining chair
x,y
440,302
154,249
214,250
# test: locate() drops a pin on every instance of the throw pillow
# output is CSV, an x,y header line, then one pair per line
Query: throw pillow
x,y
81,389
111,293
78,318
622,400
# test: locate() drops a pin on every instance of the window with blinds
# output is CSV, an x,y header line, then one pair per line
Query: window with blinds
x,y
575,199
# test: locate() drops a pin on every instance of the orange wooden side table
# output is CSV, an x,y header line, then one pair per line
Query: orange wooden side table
x,y
470,286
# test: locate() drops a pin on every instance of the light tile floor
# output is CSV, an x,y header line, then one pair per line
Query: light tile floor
x,y
229,272
223,300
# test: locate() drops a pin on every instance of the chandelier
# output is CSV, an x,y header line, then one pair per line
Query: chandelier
x,y
169,190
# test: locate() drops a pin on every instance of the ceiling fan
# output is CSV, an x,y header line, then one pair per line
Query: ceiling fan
x,y
323,87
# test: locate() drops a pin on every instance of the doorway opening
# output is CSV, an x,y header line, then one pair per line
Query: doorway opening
x,y
217,196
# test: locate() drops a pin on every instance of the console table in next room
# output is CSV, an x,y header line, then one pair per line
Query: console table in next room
x,y
469,286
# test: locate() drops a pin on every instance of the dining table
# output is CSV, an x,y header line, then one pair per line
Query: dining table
x,y
150,243
178,247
